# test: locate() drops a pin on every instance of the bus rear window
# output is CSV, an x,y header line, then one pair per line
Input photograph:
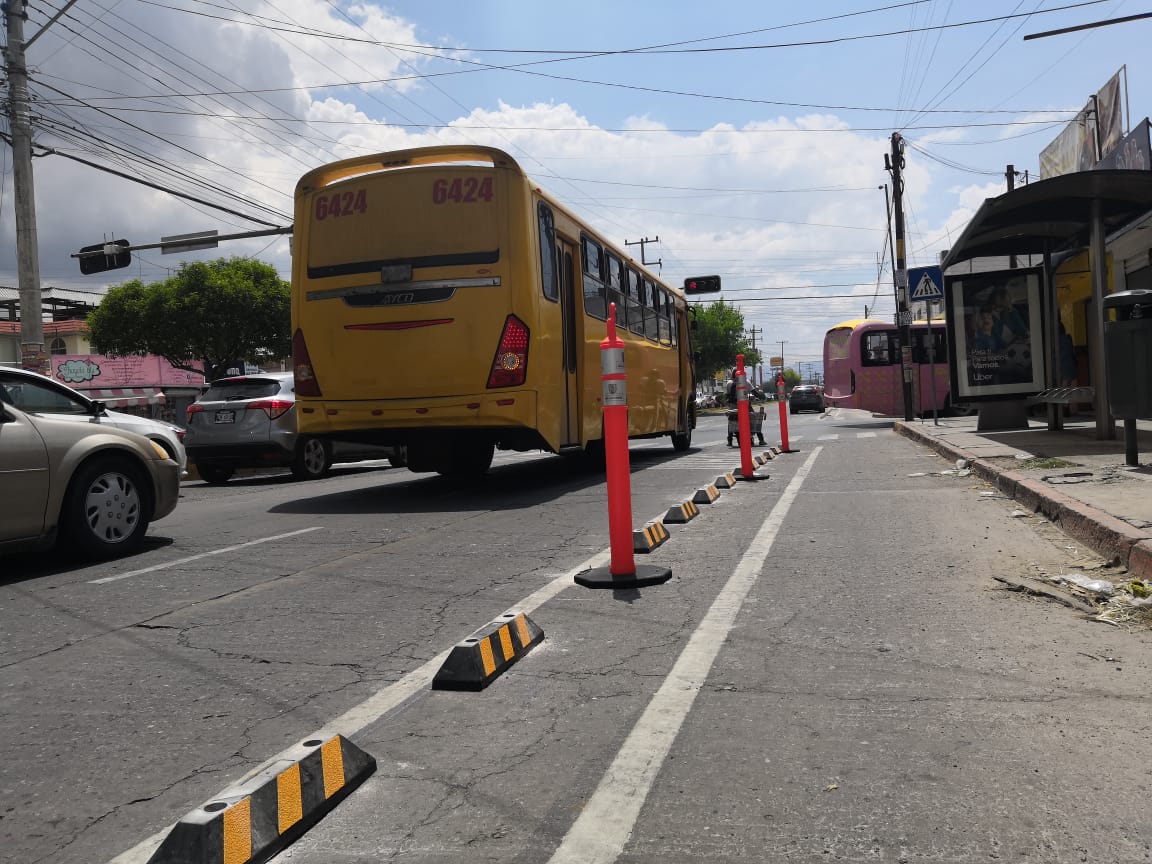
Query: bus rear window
x,y
420,217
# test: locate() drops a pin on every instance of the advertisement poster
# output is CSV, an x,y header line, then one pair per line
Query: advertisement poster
x,y
995,330
90,371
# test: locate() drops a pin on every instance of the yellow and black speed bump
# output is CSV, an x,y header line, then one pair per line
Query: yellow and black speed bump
x,y
476,662
706,495
649,537
681,513
725,481
776,451
252,821
759,459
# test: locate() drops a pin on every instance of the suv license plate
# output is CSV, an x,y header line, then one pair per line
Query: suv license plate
x,y
225,416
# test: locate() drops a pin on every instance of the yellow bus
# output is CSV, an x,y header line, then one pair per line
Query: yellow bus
x,y
443,303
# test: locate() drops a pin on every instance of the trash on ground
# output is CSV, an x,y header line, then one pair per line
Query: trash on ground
x,y
1096,586
1124,610
961,463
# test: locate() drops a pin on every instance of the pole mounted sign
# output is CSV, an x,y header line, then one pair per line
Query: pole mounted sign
x,y
927,283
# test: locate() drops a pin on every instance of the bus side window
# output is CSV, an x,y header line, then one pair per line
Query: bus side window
x,y
634,287
594,304
665,317
616,289
651,311
548,280
877,348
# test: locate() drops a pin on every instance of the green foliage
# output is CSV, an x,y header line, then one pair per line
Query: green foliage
x,y
216,312
791,379
718,338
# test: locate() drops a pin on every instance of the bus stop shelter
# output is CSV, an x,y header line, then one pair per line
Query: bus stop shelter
x,y
1048,217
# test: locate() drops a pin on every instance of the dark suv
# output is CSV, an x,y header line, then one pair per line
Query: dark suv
x,y
249,421
806,397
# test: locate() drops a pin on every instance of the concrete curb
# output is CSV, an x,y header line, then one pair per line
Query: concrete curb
x,y
1112,538
263,813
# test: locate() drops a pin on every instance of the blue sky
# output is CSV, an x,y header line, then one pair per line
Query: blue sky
x,y
762,164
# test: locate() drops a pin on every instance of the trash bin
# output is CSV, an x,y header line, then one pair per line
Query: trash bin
x,y
1128,353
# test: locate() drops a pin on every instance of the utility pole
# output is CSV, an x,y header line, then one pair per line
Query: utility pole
x,y
659,262
1010,174
752,331
32,353
782,344
895,165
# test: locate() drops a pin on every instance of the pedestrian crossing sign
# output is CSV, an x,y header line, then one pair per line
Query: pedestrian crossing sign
x,y
927,283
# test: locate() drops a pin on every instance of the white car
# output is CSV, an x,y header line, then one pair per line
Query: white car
x,y
37,394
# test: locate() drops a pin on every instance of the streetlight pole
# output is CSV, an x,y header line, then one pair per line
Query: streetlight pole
x,y
32,354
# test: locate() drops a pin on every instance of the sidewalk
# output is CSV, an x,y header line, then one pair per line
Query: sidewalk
x,y
1079,483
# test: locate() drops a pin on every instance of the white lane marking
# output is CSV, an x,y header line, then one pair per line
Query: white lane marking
x,y
598,835
180,561
865,434
383,701
828,437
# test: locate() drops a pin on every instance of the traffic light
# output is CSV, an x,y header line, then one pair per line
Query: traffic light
x,y
109,256
702,285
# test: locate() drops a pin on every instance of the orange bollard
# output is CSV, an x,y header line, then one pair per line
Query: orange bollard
x,y
783,414
622,571
744,422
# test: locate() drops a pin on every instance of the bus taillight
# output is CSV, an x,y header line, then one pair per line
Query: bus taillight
x,y
510,365
305,379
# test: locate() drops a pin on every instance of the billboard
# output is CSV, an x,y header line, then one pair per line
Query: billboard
x,y
1099,123
995,334
1133,151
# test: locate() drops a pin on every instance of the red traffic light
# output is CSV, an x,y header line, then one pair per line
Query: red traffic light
x,y
702,285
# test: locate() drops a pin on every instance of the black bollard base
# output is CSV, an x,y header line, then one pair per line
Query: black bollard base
x,y
751,477
602,577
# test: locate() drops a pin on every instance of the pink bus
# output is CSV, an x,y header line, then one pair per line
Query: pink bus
x,y
862,367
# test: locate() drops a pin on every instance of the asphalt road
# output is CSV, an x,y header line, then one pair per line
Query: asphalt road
x,y
830,674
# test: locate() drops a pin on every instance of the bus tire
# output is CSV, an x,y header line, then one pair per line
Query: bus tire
x,y
681,442
313,459
468,458
399,457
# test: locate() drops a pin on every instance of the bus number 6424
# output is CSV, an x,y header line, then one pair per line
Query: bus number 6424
x,y
462,190
341,204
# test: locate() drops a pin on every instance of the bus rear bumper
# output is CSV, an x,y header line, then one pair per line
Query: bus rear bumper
x,y
505,409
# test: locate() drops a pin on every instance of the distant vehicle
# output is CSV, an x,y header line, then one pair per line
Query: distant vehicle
x,y
443,302
806,397
249,421
38,394
862,367
95,486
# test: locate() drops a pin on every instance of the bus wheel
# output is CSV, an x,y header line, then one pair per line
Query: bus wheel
x,y
680,443
468,458
399,457
313,459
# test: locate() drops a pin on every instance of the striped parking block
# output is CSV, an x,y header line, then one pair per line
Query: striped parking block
x,y
476,662
252,821
683,512
759,459
776,451
768,455
706,495
649,537
726,481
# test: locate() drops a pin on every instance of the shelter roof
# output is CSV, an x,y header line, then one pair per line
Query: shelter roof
x,y
1053,215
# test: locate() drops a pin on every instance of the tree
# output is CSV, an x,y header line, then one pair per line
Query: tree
x,y
719,336
216,312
